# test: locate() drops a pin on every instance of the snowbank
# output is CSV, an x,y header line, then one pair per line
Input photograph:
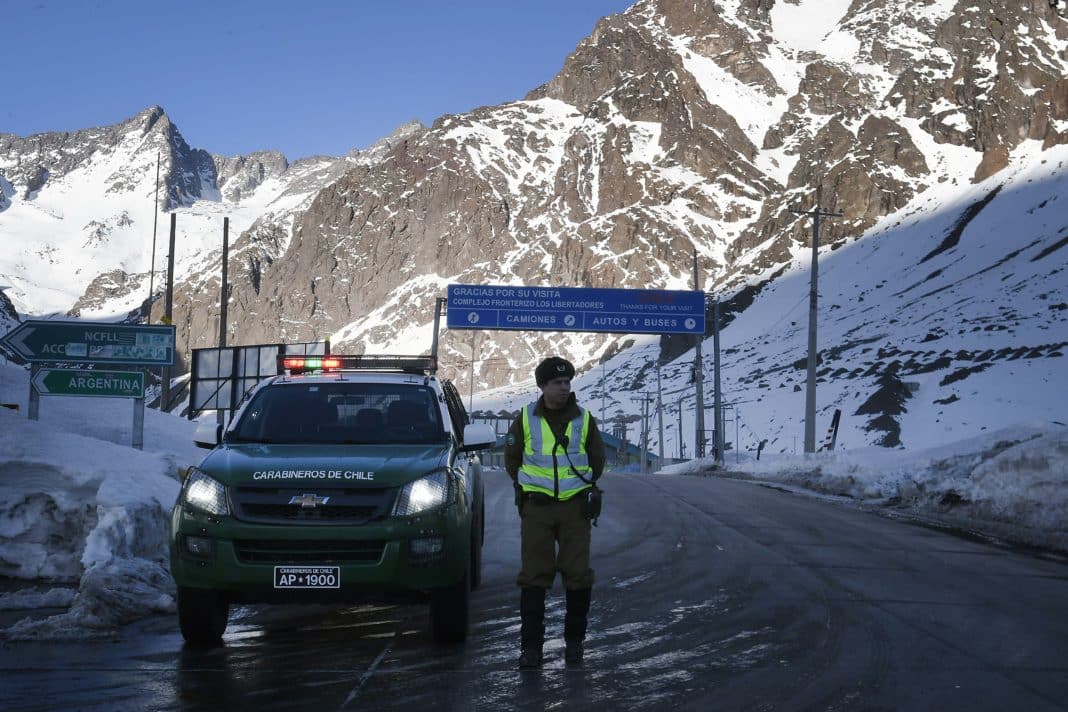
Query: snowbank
x,y
1012,482
80,507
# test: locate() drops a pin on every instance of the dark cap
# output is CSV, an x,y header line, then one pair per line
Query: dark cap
x,y
553,367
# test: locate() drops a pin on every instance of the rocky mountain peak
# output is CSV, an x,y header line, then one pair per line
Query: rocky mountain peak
x,y
186,175
237,176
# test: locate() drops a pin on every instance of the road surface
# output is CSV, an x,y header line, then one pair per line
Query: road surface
x,y
711,594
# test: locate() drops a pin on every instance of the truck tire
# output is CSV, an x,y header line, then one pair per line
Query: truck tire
x,y
449,611
478,529
202,616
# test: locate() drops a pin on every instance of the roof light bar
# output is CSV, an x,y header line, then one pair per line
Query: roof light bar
x,y
361,362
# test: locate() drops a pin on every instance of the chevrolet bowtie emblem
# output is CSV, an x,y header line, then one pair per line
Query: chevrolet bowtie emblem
x,y
309,501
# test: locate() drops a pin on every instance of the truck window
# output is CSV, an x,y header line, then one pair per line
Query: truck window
x,y
342,413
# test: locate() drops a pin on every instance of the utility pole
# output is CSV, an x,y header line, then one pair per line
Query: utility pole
x,y
699,381
224,292
603,389
471,386
151,273
224,298
810,391
645,398
659,413
680,430
645,435
440,307
718,402
168,307
155,218
737,445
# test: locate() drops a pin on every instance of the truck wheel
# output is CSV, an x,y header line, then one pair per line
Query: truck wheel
x,y
449,610
202,616
475,565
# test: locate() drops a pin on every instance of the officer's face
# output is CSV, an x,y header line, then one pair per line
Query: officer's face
x,y
556,392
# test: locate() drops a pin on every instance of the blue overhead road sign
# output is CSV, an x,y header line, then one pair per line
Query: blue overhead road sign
x,y
622,311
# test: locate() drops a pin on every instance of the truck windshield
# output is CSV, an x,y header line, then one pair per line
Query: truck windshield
x,y
341,413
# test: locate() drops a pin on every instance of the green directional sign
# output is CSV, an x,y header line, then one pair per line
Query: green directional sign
x,y
91,342
99,384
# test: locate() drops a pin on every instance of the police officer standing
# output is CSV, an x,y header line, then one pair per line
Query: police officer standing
x,y
554,454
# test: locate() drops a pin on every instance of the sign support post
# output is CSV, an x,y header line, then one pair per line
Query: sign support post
x,y
138,439
34,409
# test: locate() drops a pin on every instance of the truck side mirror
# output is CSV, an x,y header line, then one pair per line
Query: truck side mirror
x,y
207,434
478,436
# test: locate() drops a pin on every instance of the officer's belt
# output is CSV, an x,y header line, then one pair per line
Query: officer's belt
x,y
539,497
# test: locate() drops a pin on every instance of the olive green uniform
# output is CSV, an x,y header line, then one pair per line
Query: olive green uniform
x,y
546,521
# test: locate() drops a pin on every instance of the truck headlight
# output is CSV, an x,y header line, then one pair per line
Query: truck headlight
x,y
422,494
205,493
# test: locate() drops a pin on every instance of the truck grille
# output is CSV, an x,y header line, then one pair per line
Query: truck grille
x,y
274,505
261,551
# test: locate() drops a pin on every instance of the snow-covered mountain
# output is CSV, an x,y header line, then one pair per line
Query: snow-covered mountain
x,y
937,128
77,212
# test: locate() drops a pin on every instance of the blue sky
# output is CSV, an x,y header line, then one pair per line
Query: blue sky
x,y
303,78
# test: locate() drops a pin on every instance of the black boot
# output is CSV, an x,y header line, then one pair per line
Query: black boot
x,y
532,626
578,609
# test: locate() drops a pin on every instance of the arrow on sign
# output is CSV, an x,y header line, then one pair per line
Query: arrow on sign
x,y
16,339
99,384
92,342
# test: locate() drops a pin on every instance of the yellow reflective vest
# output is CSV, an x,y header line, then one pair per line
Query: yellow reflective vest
x,y
549,466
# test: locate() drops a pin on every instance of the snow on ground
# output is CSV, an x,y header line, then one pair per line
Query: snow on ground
x,y
1011,483
84,518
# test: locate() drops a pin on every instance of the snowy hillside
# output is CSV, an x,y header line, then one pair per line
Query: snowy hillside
x,y
944,321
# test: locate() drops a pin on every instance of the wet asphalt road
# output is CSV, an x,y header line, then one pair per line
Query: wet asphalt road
x,y
711,594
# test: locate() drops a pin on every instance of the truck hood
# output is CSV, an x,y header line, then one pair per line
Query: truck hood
x,y
324,465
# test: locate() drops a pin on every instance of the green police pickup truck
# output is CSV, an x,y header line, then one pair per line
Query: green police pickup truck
x,y
355,481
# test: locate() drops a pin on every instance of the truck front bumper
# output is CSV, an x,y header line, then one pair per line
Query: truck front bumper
x,y
405,558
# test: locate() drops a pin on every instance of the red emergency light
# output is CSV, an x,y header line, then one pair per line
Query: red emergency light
x,y
310,363
407,364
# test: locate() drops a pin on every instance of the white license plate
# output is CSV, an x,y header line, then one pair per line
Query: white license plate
x,y
307,577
